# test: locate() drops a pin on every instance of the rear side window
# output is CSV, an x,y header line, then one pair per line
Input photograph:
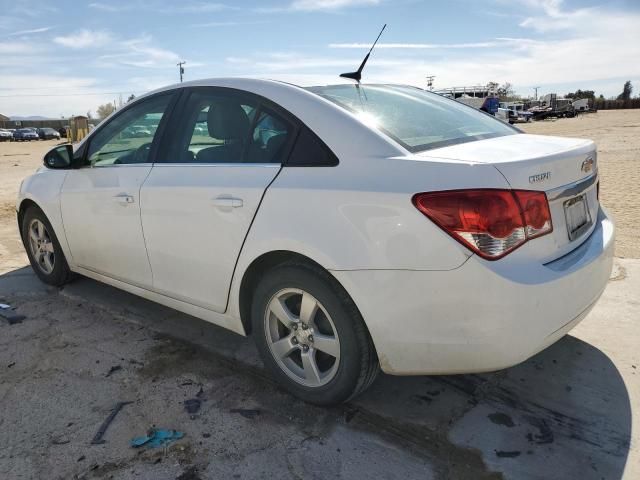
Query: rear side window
x,y
269,139
310,151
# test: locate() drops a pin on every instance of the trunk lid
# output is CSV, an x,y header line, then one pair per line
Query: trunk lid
x,y
564,168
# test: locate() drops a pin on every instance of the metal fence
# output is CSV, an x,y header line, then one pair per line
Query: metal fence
x,y
602,104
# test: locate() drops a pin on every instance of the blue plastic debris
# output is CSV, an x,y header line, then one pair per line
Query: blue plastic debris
x,y
157,437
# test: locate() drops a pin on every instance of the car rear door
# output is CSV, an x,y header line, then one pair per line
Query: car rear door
x,y
221,151
100,202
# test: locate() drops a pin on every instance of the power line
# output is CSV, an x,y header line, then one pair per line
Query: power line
x,y
181,69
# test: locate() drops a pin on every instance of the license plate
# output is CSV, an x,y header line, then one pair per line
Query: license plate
x,y
577,216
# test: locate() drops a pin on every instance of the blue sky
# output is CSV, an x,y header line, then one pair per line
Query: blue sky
x,y
67,57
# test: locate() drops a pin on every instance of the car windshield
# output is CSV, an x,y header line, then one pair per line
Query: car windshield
x,y
416,119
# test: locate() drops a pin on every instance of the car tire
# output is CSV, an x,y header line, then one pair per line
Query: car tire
x,y
43,248
336,365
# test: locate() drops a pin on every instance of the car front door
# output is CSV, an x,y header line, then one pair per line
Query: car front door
x,y
223,149
100,202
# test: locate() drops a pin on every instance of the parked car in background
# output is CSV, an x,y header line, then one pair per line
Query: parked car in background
x,y
48,134
348,228
5,135
25,134
136,131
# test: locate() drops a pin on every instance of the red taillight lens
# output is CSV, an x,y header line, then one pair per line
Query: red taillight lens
x,y
490,222
535,211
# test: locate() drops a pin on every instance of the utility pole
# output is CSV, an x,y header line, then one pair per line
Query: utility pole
x,y
430,79
181,69
536,89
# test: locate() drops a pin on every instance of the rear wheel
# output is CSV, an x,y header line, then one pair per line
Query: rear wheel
x,y
43,249
311,336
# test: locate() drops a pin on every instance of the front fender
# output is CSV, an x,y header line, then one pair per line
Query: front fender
x,y
43,188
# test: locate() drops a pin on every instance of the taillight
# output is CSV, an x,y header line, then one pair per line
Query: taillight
x,y
489,222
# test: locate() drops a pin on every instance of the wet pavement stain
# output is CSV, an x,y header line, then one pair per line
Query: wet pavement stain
x,y
501,419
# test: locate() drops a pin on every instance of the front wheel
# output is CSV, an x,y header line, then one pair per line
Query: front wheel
x,y
43,249
311,336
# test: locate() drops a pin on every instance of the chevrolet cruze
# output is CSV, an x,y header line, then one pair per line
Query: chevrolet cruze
x,y
348,228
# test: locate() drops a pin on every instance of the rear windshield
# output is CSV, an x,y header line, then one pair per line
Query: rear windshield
x,y
417,119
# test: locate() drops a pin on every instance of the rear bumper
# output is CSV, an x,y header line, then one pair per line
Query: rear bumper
x,y
482,316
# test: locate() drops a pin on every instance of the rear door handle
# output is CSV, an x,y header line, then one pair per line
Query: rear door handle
x,y
227,202
123,198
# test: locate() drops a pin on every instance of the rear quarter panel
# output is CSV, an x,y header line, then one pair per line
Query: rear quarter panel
x,y
359,215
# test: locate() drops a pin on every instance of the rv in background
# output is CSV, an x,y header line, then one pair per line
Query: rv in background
x,y
478,96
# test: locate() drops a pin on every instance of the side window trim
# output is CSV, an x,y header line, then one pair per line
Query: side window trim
x,y
86,147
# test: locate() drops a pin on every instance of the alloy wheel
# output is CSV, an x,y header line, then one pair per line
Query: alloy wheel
x,y
41,246
302,337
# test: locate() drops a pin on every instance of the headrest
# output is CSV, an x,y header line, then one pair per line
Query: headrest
x,y
227,120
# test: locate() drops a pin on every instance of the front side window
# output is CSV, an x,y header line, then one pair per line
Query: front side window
x,y
228,127
416,119
127,138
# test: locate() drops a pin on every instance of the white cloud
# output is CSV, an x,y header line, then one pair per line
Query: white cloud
x,y
199,7
110,7
230,23
285,62
416,46
158,7
15,48
313,5
134,52
31,8
85,39
29,32
139,52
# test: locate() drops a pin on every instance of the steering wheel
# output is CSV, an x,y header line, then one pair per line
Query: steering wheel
x,y
142,153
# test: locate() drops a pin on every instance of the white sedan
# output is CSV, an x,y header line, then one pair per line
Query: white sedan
x,y
349,228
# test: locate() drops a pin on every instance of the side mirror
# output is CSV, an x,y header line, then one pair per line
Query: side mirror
x,y
59,157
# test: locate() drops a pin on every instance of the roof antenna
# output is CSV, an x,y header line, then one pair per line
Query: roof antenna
x,y
357,75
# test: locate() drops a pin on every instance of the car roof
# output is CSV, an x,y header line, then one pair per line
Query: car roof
x,y
328,120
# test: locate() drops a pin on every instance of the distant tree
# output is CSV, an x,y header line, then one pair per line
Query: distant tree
x,y
601,97
578,94
105,110
505,93
626,91
131,97
505,90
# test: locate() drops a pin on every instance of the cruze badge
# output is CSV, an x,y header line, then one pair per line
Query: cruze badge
x,y
540,177
587,165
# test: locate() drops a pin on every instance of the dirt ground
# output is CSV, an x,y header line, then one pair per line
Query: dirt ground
x,y
572,411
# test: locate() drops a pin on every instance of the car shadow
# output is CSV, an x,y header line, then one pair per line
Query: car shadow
x,y
564,413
